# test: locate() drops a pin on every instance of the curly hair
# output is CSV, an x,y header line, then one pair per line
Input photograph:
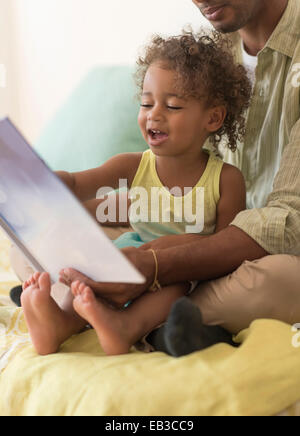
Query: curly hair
x,y
205,69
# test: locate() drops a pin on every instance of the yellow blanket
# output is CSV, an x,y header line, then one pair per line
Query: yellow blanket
x,y
262,377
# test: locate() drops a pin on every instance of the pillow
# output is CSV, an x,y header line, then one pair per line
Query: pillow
x,y
98,121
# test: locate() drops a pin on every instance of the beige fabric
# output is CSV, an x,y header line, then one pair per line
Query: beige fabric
x,y
269,158
266,288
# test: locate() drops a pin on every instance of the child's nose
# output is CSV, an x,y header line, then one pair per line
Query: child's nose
x,y
155,114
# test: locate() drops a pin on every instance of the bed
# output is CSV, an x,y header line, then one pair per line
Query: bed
x,y
261,377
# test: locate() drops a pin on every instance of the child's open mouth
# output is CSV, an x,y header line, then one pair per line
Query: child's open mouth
x,y
157,137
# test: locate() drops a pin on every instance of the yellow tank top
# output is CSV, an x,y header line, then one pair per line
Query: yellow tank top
x,y
156,211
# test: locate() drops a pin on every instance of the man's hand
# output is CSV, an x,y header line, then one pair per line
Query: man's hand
x,y
118,294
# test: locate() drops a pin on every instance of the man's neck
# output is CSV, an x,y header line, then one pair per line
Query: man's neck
x,y
258,31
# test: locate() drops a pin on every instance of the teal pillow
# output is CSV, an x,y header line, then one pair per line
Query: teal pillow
x,y
98,121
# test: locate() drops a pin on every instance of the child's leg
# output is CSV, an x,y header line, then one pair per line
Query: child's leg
x,y
49,325
119,331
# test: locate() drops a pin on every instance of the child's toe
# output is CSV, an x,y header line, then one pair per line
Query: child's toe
x,y
74,288
25,285
88,295
35,276
82,287
44,282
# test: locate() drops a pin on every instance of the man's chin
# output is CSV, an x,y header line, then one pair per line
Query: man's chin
x,y
224,27
228,22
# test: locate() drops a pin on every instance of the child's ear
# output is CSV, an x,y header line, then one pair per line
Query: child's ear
x,y
216,118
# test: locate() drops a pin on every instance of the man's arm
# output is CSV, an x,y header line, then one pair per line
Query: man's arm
x,y
276,227
208,258
204,259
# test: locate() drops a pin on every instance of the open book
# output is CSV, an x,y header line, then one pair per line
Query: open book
x,y
47,222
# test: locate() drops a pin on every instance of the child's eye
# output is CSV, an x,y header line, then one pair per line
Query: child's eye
x,y
174,108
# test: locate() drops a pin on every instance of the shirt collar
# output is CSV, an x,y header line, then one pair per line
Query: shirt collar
x,y
286,35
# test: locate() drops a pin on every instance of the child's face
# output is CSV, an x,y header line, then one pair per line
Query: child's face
x,y
170,124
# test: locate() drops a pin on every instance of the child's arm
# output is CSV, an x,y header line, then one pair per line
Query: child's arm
x,y
233,196
67,178
86,184
120,200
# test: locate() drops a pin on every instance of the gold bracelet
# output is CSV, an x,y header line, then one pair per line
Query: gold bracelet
x,y
156,285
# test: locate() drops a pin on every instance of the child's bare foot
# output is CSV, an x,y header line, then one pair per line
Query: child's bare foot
x,y
117,294
110,325
48,325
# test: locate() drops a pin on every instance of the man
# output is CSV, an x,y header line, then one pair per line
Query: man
x,y
251,269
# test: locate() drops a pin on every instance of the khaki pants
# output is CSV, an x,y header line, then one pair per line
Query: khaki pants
x,y
265,288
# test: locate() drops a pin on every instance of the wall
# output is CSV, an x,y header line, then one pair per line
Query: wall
x,y
52,44
8,91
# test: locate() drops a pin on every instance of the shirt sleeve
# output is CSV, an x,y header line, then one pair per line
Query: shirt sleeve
x,y
276,227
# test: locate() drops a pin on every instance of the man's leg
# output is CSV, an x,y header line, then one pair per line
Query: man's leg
x,y
266,288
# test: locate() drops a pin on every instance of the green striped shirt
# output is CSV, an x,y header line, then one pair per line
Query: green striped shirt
x,y
270,155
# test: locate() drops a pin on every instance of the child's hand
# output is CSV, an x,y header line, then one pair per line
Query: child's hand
x,y
67,178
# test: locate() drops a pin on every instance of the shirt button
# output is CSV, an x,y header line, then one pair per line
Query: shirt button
x,y
261,93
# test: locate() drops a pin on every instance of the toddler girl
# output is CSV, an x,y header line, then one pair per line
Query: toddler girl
x,y
190,91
